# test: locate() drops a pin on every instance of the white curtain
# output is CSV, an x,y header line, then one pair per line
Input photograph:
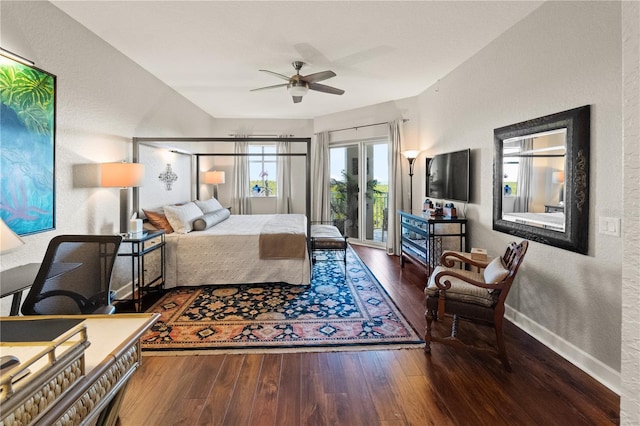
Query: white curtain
x,y
396,187
525,175
283,198
320,191
241,184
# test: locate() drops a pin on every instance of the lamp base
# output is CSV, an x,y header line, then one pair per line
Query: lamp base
x,y
124,207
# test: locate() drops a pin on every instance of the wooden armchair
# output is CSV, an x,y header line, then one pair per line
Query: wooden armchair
x,y
470,295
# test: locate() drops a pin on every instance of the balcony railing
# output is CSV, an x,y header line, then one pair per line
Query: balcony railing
x,y
377,226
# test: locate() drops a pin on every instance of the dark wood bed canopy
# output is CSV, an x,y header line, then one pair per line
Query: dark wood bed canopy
x,y
151,141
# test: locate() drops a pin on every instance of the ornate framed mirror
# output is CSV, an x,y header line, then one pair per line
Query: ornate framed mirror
x,y
541,179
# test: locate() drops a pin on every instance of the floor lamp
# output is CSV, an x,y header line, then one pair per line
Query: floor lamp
x,y
123,176
214,178
411,157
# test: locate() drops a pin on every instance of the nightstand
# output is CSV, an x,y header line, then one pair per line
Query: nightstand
x,y
141,245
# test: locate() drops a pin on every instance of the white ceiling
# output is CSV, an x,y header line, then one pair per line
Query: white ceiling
x,y
211,51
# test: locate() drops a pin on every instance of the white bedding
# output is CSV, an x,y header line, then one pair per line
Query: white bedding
x,y
554,221
228,253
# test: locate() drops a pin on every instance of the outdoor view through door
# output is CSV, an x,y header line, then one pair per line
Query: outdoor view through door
x,y
359,189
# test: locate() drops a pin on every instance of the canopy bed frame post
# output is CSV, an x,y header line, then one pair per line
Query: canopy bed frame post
x,y
136,159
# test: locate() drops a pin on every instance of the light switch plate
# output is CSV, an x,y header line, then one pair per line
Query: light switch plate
x,y
609,226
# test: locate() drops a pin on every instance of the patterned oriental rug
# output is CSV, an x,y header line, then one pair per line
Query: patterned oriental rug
x,y
332,314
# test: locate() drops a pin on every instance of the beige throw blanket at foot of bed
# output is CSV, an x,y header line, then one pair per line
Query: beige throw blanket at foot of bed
x,y
280,240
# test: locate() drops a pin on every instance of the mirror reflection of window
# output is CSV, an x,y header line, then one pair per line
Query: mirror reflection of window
x,y
533,178
510,170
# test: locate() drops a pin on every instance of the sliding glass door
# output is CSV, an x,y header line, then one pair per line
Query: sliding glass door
x,y
359,188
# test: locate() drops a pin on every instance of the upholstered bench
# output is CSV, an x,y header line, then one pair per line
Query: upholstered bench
x,y
327,237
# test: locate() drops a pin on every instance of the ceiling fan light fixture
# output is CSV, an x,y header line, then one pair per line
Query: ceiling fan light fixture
x,y
298,88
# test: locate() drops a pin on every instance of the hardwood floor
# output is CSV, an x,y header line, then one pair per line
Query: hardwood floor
x,y
401,387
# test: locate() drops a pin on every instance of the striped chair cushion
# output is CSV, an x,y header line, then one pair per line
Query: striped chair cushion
x,y
461,290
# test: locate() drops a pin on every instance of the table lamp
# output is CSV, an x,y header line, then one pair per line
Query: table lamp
x,y
214,178
558,177
8,239
123,176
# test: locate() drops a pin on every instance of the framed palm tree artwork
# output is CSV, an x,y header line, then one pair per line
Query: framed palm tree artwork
x,y
27,146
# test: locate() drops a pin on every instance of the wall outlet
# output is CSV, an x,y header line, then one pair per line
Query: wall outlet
x,y
609,226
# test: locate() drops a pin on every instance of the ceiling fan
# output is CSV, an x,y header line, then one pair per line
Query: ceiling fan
x,y
298,85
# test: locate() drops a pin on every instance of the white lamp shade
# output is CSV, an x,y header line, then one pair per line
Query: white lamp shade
x,y
411,154
214,177
297,88
557,177
121,175
8,239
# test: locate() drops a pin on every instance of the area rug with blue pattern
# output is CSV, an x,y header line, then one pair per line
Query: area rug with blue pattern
x,y
333,313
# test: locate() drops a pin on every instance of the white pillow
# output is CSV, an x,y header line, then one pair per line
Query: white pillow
x,y
210,219
181,217
495,271
210,205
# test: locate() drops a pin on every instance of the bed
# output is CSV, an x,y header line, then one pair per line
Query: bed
x,y
554,221
238,248
234,249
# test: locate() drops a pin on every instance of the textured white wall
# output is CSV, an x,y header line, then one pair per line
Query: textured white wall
x,y
154,194
103,100
630,398
563,55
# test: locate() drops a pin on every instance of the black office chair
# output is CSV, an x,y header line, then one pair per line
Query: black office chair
x,y
75,276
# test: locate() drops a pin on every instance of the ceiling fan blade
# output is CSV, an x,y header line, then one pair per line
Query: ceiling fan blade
x,y
297,99
318,76
311,55
275,74
326,89
269,87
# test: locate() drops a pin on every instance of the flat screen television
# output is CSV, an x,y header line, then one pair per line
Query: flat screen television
x,y
448,176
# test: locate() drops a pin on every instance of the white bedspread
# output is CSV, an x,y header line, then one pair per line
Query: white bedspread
x,y
554,221
228,253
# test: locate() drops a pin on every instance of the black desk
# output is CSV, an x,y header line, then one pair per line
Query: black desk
x,y
16,280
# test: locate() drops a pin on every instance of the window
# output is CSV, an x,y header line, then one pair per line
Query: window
x,y
263,170
510,170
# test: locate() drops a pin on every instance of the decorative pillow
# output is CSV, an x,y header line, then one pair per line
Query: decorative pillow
x,y
181,217
158,219
495,271
209,219
210,205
